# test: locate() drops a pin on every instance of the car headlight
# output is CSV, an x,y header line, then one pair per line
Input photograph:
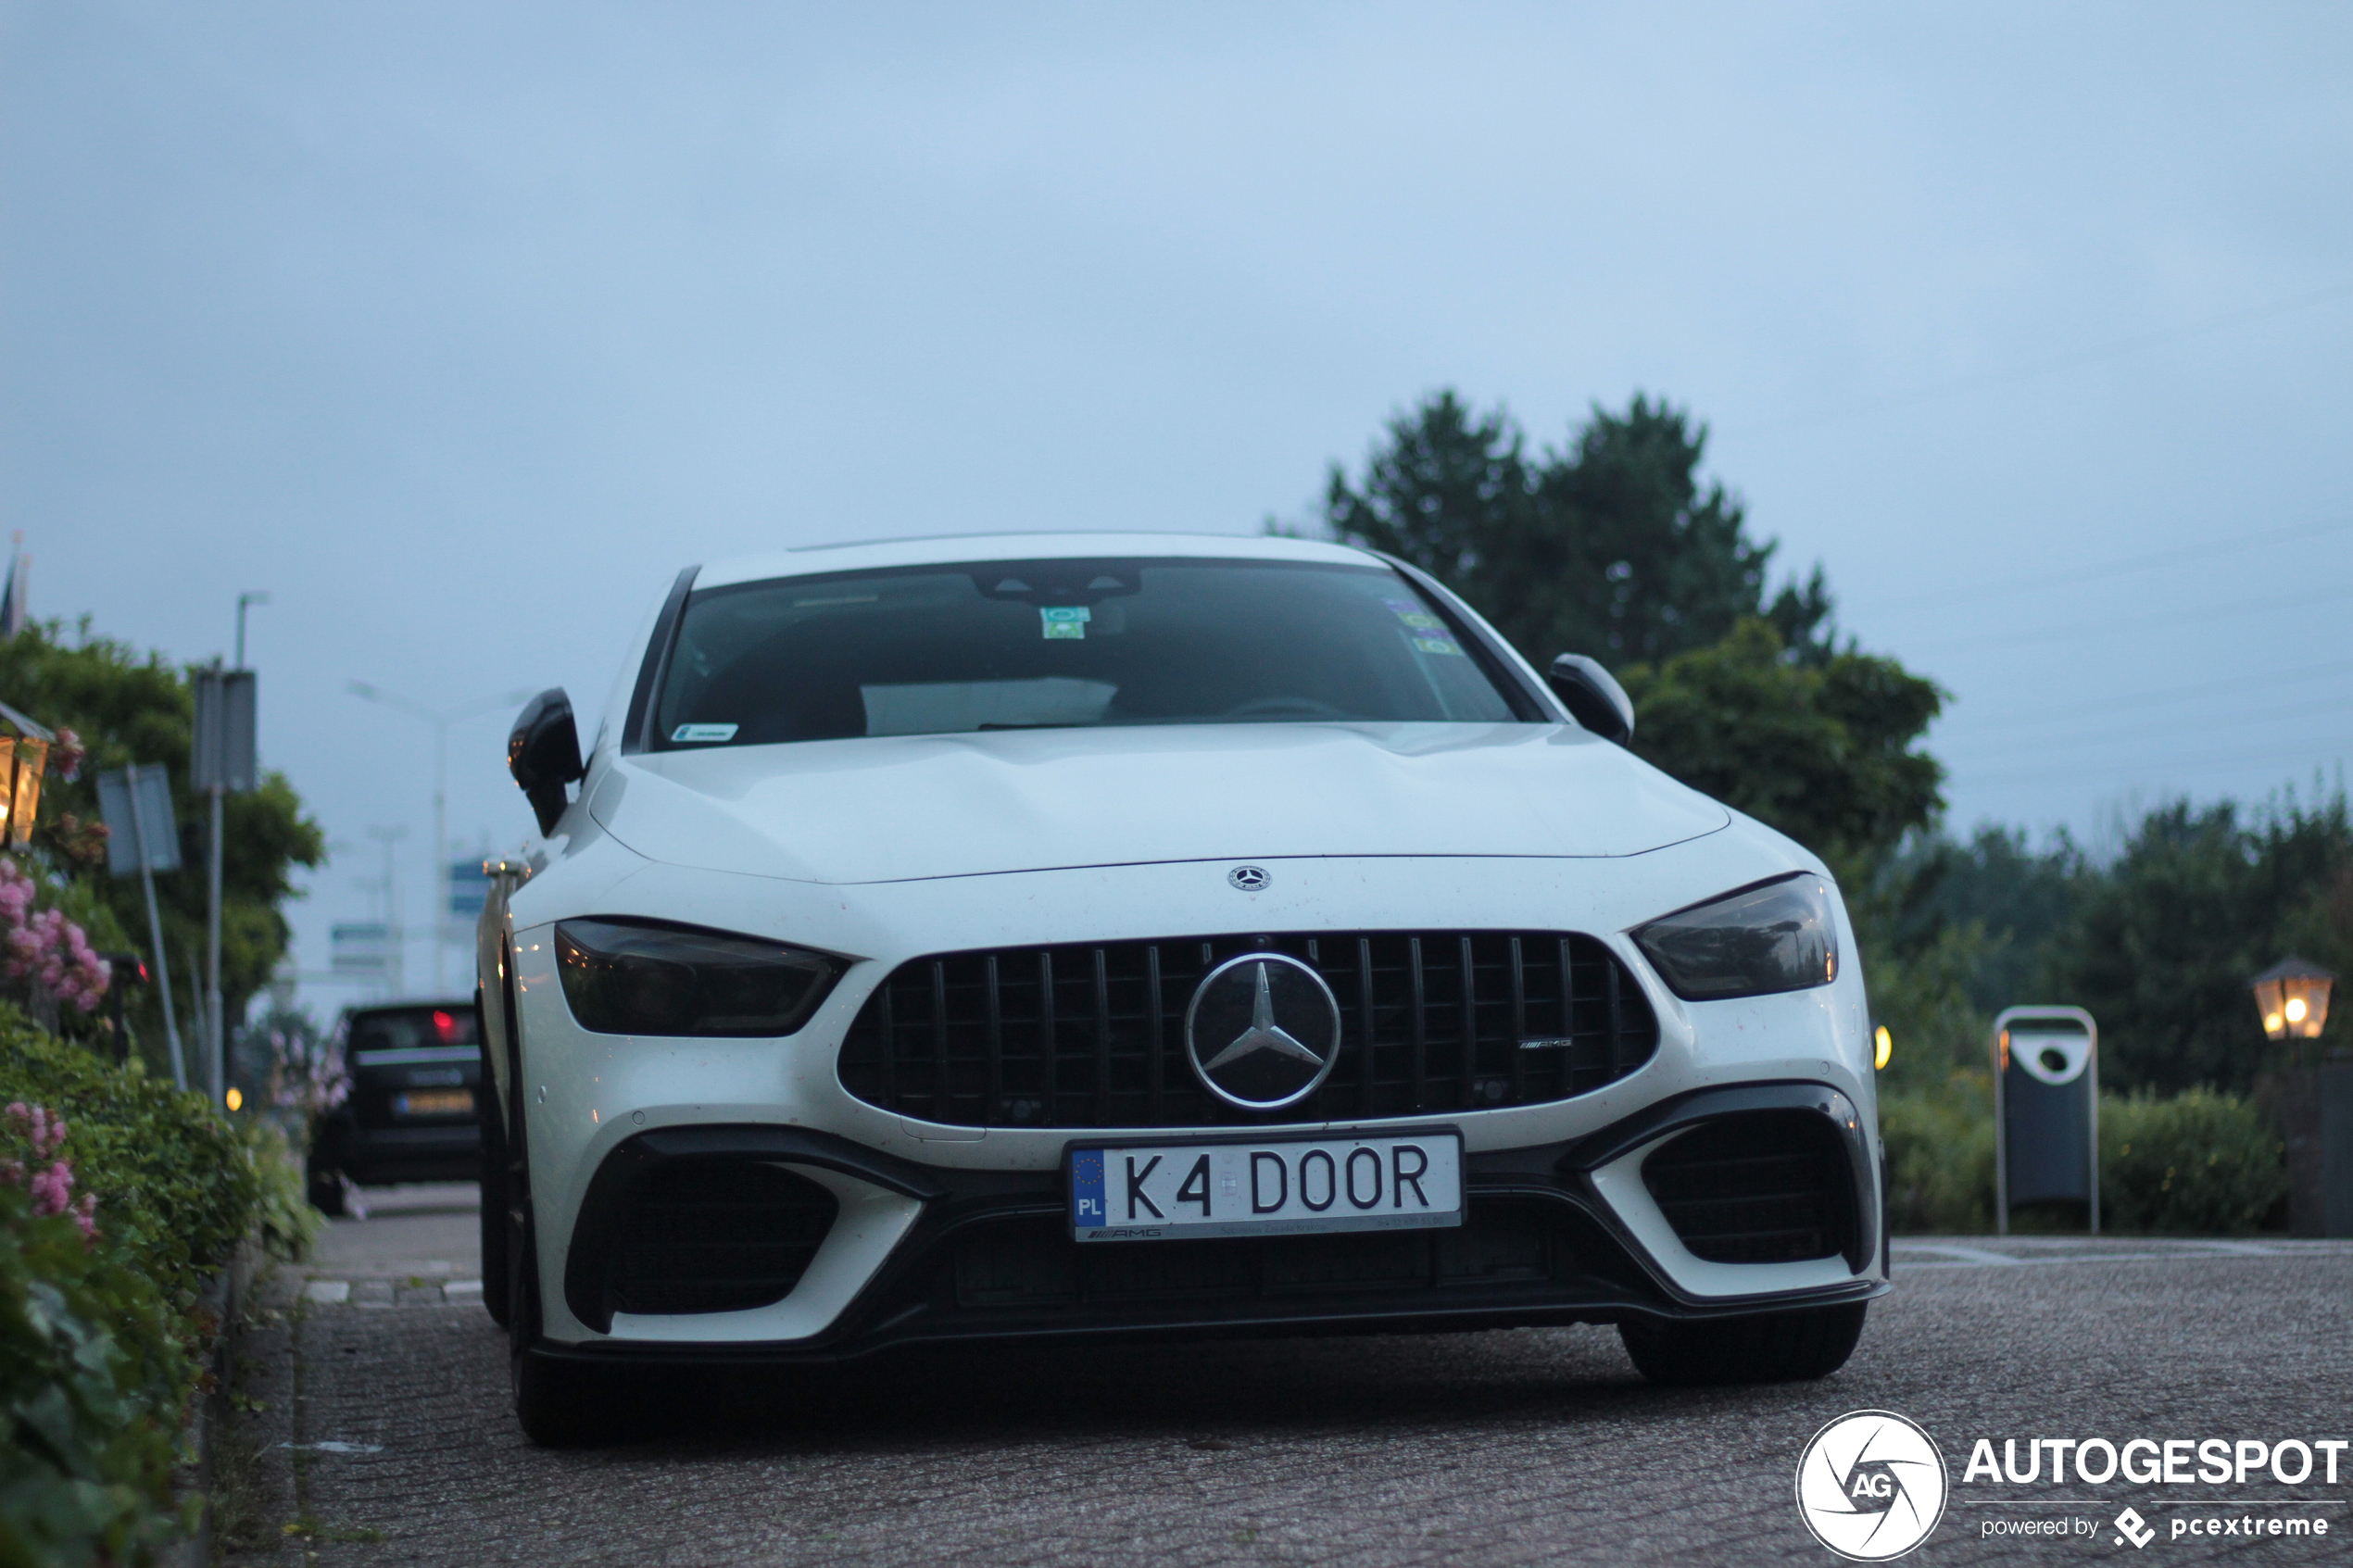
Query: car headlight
x,y
626,977
1775,936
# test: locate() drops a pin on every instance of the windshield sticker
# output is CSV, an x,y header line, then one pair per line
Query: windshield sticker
x,y
703,733
1436,644
1065,620
1415,615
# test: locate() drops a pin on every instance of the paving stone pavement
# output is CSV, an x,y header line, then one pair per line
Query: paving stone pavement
x,y
387,1439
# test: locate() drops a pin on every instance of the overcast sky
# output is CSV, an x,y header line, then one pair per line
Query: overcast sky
x,y
459,329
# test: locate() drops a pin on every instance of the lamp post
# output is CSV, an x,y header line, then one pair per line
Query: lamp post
x,y
440,723
2293,997
2312,1109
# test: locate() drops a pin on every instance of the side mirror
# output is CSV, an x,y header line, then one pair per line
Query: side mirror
x,y
543,752
1592,697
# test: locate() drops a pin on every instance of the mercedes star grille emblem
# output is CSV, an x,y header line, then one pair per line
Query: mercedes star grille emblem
x,y
1249,879
1262,1031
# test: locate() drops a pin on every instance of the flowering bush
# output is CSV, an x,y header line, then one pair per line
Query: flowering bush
x,y
94,1380
177,1184
46,947
52,1188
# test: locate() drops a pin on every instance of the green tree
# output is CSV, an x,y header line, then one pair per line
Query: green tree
x,y
2014,898
2160,945
1826,752
1610,546
133,707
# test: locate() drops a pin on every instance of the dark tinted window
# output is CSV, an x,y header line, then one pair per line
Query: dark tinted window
x,y
400,1029
1025,645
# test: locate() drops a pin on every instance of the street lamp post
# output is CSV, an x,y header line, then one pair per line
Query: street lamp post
x,y
440,723
2314,1110
218,1023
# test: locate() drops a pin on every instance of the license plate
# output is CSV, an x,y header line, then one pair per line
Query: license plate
x,y
1162,1192
434,1102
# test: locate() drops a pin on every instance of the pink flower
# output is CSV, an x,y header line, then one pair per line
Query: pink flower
x,y
45,1133
53,1189
48,946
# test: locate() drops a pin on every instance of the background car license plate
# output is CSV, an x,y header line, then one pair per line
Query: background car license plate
x,y
1158,1192
434,1102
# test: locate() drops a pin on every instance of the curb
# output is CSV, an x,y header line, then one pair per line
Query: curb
x,y
224,1296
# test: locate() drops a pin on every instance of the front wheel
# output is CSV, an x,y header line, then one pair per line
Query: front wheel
x,y
1770,1347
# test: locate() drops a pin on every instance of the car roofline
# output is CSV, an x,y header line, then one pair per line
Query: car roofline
x,y
949,549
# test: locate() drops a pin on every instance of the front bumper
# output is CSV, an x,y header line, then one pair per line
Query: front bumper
x,y
1553,1235
886,1269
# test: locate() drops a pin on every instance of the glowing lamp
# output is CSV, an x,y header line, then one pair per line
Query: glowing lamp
x,y
236,1099
1883,1046
2293,998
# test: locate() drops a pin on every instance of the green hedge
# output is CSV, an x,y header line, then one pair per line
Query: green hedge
x,y
1940,1158
2198,1164
177,1186
94,1379
98,1338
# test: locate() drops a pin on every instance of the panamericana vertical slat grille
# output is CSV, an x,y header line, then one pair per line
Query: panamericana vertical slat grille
x,y
1093,1037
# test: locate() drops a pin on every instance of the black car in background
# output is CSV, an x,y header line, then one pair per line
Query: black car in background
x,y
415,1067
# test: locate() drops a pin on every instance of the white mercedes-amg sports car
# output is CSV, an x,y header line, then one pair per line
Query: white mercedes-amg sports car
x,y
1097,934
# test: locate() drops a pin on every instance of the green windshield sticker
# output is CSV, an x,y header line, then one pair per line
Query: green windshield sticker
x,y
703,733
1065,620
1415,615
1436,644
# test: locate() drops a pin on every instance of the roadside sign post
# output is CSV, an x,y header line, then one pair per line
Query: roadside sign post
x,y
140,836
225,760
2046,1111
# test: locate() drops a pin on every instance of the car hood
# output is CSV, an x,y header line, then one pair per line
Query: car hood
x,y
900,808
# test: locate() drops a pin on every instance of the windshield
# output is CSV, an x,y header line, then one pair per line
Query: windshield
x,y
1053,643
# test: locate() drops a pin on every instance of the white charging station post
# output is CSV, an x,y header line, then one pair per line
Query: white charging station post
x,y
2046,1111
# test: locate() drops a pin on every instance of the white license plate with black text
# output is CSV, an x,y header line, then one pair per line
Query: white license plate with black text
x,y
1158,1192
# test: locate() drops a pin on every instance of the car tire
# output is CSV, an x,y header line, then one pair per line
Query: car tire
x,y
325,1186
1770,1347
497,1289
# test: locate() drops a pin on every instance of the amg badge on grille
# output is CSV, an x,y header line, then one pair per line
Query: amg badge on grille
x,y
1262,1031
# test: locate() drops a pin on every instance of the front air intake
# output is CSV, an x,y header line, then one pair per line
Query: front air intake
x,y
714,1235
1770,1186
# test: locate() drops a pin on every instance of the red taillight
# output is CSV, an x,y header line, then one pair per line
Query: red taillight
x,y
444,1025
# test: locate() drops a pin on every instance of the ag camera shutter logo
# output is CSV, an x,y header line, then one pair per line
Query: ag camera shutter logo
x,y
1872,1486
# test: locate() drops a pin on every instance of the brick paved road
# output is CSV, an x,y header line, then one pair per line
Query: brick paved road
x,y
1536,1446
